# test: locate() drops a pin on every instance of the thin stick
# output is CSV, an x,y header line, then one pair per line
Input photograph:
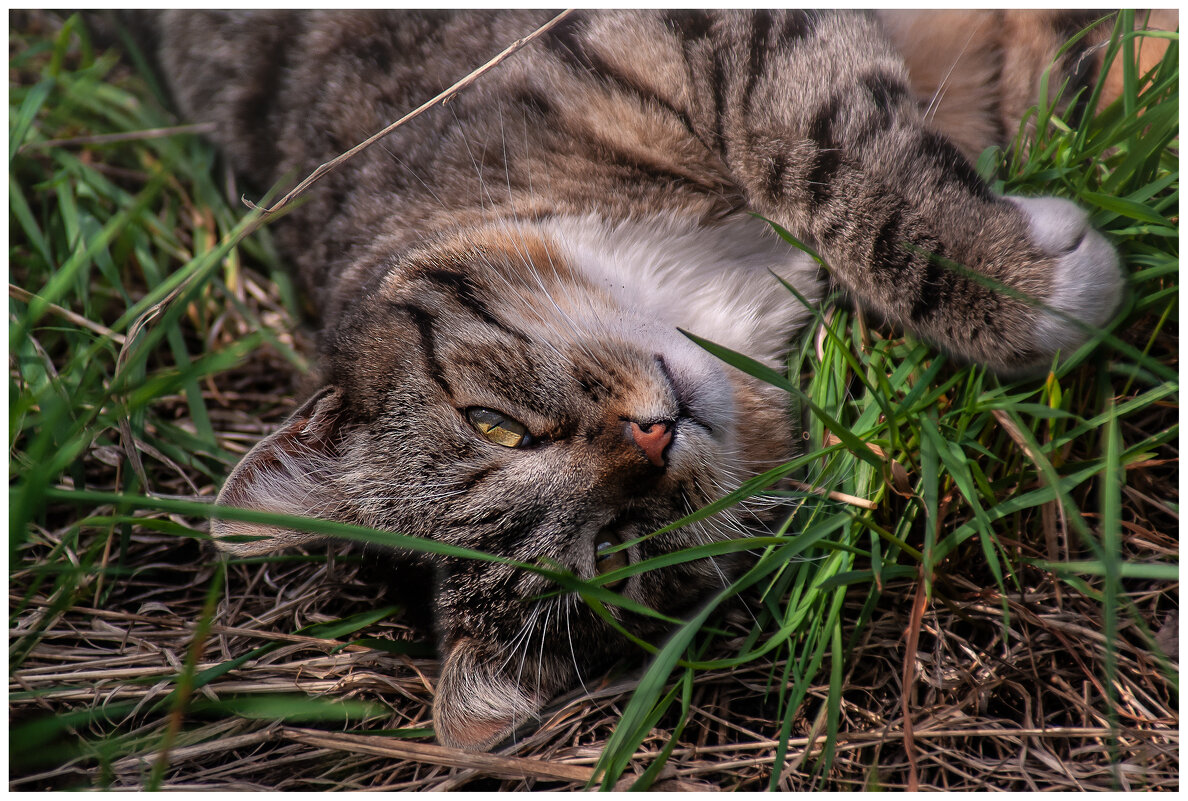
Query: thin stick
x,y
26,296
444,97
853,500
490,764
915,623
127,136
883,736
219,745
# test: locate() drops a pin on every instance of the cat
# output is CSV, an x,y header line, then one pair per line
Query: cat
x,y
501,282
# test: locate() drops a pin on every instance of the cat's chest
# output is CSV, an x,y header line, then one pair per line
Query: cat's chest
x,y
717,281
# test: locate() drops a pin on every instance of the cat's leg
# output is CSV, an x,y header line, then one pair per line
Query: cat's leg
x,y
955,66
976,72
813,115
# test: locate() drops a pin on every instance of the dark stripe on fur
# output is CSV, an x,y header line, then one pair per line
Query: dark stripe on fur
x,y
567,44
474,479
691,26
461,287
819,182
885,91
935,283
590,384
534,102
820,126
423,321
649,170
256,107
797,25
773,180
888,253
718,90
886,95
933,148
827,159
757,55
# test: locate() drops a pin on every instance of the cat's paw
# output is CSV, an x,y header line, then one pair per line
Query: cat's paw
x,y
1087,281
476,705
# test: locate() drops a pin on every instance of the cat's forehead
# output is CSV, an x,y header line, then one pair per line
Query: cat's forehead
x,y
498,321
510,295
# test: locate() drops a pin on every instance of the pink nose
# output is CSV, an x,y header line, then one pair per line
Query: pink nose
x,y
652,439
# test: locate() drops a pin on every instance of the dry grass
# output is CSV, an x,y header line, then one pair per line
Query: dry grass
x,y
984,714
962,690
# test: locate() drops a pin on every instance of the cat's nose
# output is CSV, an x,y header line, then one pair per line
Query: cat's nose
x,y
652,438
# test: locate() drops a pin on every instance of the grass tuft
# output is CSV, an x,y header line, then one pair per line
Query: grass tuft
x,y
977,587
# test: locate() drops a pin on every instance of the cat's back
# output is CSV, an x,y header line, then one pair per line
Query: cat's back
x,y
561,128
806,117
311,83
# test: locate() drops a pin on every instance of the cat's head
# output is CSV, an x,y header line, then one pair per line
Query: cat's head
x,y
484,394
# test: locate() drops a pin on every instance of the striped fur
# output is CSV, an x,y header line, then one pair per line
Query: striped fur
x,y
534,245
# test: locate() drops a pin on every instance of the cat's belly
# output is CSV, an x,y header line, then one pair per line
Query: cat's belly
x,y
718,281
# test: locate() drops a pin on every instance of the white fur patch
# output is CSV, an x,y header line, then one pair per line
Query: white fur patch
x,y
714,281
1087,283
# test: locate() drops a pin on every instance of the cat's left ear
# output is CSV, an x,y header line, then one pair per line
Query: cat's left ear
x,y
286,472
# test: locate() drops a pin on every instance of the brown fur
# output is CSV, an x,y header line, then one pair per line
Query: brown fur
x,y
976,72
531,248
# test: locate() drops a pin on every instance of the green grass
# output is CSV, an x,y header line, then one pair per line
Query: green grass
x,y
981,457
115,426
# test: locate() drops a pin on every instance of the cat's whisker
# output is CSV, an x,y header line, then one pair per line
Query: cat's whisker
x,y
414,174
543,640
701,533
489,211
511,646
722,576
523,642
938,95
523,653
570,601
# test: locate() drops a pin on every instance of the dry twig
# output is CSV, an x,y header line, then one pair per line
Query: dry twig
x,y
444,97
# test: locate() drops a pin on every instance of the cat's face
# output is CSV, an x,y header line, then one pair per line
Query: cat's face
x,y
485,395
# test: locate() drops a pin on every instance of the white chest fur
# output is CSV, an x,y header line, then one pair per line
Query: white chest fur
x,y
715,281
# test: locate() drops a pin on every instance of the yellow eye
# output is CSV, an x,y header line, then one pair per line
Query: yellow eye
x,y
498,428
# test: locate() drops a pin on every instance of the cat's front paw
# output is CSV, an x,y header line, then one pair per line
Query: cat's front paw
x,y
477,705
1086,280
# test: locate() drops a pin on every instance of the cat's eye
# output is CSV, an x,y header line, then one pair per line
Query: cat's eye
x,y
605,559
498,428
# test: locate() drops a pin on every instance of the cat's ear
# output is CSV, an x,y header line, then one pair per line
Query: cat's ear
x,y
476,706
286,472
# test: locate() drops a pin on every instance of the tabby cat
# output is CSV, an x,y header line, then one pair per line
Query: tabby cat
x,y
500,284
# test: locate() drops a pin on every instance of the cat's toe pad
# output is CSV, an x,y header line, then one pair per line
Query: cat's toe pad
x,y
1087,283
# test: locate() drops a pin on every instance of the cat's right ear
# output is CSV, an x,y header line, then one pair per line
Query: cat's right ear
x,y
286,472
